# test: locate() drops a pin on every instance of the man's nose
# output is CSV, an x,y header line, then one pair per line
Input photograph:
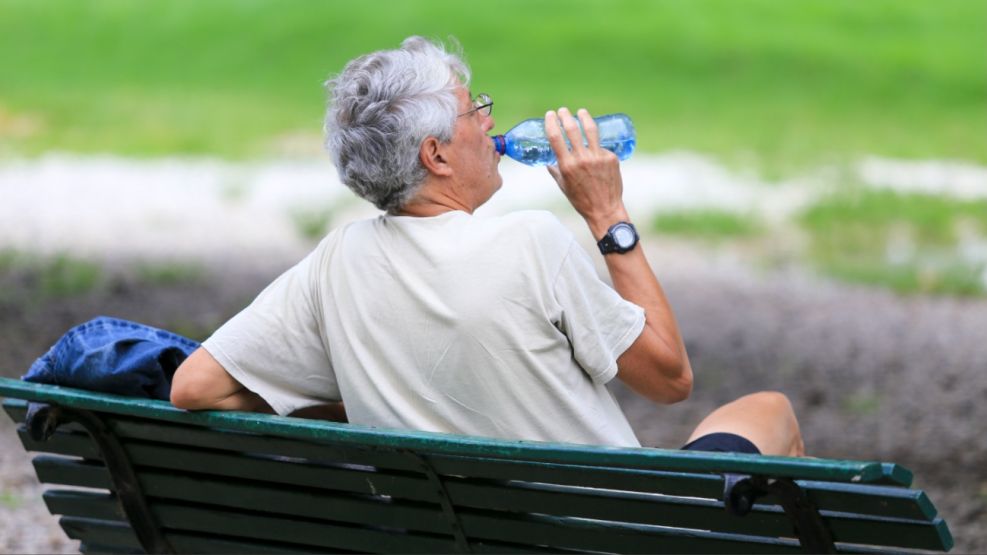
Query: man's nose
x,y
488,123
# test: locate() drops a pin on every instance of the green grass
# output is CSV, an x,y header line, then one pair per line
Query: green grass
x,y
51,276
169,273
65,276
312,224
706,224
10,500
913,277
906,242
782,84
861,404
62,275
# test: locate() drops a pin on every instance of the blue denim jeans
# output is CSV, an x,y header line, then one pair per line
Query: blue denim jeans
x,y
114,356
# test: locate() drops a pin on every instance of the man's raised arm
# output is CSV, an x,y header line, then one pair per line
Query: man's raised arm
x,y
656,364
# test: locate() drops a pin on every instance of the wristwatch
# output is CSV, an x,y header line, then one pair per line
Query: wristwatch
x,y
620,238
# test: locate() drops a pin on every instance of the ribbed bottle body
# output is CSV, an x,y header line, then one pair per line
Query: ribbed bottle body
x,y
526,142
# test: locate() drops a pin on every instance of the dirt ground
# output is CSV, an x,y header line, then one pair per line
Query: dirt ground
x,y
872,375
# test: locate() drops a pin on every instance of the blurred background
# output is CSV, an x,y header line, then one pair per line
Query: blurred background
x,y
765,89
812,177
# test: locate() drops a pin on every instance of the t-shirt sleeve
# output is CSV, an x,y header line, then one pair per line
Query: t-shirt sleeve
x,y
275,346
599,323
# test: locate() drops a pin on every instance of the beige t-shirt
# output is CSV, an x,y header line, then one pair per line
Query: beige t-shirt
x,y
495,327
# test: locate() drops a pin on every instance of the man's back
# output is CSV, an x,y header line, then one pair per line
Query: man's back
x,y
485,326
458,323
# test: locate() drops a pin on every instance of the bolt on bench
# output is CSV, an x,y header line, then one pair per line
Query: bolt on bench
x,y
163,480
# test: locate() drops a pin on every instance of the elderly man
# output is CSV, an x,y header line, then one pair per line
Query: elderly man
x,y
430,318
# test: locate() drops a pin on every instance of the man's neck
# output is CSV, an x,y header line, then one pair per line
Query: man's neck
x,y
436,198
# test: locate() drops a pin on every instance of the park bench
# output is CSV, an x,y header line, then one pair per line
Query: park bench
x,y
159,479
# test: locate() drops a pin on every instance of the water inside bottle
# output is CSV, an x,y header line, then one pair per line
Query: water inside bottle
x,y
540,153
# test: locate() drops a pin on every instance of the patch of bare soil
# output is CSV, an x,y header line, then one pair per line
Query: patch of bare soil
x,y
872,375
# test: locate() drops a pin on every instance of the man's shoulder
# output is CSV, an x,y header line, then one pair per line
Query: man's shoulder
x,y
539,222
327,246
536,232
362,226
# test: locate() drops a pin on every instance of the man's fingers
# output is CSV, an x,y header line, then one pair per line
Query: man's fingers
x,y
589,127
554,135
571,130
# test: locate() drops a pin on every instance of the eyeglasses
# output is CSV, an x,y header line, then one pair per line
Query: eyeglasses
x,y
482,103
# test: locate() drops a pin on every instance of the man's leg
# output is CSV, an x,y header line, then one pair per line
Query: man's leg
x,y
765,418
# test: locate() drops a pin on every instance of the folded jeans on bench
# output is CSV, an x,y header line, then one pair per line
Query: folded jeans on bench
x,y
117,356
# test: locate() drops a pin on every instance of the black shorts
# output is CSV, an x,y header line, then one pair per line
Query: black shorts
x,y
723,442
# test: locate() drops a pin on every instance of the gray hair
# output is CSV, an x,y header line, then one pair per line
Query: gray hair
x,y
382,106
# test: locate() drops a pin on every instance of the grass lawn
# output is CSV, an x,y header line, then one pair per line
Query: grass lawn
x,y
907,242
779,84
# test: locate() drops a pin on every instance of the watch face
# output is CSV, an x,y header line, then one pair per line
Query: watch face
x,y
623,236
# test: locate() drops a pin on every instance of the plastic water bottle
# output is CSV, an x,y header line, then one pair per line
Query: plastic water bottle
x,y
526,142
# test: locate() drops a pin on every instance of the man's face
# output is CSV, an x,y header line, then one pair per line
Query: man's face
x,y
473,155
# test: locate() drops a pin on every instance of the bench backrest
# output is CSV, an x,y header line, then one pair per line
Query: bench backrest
x,y
236,482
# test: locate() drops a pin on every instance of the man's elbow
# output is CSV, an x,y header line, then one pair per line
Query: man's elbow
x,y
681,388
678,382
664,384
189,385
183,394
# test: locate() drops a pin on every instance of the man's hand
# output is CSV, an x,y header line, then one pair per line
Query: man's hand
x,y
589,175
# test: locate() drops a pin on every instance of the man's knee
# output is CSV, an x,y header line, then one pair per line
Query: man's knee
x,y
780,407
775,401
779,404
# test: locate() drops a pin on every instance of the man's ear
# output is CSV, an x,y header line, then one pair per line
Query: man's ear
x,y
432,156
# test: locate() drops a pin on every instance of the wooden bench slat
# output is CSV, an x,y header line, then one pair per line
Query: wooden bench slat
x,y
304,532
66,472
882,500
90,504
237,442
613,537
117,537
201,437
891,532
191,543
125,539
96,549
889,501
93,531
430,443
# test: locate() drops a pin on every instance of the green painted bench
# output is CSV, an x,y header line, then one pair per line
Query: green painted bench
x,y
158,479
